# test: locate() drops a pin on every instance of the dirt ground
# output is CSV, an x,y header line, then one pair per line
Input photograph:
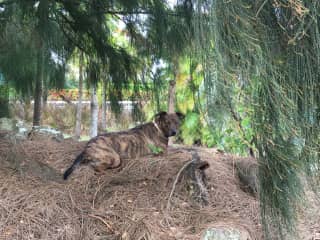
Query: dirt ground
x,y
145,199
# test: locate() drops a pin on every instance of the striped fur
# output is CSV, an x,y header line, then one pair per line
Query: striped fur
x,y
107,150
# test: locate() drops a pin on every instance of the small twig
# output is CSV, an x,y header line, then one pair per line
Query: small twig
x,y
260,8
71,198
96,193
103,221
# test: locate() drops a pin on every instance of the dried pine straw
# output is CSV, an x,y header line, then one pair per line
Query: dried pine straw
x,y
128,203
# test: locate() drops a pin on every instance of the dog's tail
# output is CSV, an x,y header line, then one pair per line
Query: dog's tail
x,y
74,165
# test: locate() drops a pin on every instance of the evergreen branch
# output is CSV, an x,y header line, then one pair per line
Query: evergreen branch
x,y
6,3
238,120
137,12
71,40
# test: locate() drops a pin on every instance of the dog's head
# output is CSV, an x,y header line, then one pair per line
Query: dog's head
x,y
169,123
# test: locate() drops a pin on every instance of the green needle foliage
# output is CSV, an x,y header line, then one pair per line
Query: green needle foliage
x,y
271,51
31,31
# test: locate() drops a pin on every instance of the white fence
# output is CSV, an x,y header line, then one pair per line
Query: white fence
x,y
125,105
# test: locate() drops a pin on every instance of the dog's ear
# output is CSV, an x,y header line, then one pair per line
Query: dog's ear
x,y
180,115
161,114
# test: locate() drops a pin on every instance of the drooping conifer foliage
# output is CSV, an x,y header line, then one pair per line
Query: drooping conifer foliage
x,y
39,36
268,53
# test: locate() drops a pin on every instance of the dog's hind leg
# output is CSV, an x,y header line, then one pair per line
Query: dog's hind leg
x,y
110,159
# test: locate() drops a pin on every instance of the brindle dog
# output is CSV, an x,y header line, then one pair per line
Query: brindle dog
x,y
107,150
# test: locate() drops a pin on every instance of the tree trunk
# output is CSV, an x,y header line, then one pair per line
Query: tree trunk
x,y
94,112
172,92
172,96
45,94
103,124
77,131
38,89
172,88
4,100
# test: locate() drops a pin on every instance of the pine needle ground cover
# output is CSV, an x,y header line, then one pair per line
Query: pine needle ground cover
x,y
37,204
127,203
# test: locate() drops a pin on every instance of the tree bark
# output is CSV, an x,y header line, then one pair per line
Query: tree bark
x,y
195,179
103,124
38,89
77,131
94,112
172,96
4,100
172,88
45,94
172,92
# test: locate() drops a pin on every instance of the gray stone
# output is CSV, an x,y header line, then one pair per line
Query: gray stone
x,y
22,129
14,129
45,132
223,233
8,124
247,170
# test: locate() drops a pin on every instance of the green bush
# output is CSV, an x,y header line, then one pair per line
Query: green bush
x,y
191,128
227,136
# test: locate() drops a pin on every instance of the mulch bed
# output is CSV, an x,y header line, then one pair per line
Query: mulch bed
x,y
144,199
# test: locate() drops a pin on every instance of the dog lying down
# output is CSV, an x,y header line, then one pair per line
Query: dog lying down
x,y
107,150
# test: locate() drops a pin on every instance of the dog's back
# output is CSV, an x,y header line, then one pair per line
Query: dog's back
x,y
128,144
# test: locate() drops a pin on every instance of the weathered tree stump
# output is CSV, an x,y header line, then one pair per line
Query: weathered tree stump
x,y
195,180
